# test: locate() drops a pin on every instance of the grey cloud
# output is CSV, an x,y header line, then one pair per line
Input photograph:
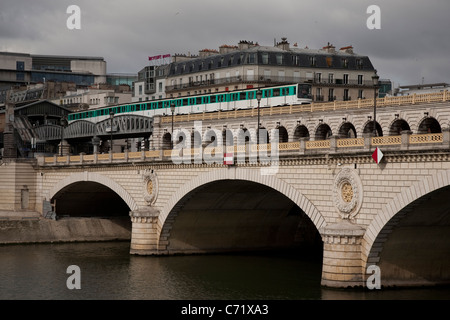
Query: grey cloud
x,y
413,41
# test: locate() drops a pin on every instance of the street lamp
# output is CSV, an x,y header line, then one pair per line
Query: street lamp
x,y
63,122
258,98
172,109
111,116
375,78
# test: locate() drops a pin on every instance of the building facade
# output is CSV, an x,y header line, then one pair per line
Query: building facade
x,y
151,83
334,74
24,68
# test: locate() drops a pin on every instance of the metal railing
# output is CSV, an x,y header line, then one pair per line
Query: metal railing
x,y
274,80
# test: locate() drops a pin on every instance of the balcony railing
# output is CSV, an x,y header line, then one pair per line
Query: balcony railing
x,y
266,80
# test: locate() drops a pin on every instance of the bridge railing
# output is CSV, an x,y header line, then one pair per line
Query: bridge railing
x,y
405,141
314,106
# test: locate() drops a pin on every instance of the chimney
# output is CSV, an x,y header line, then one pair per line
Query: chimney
x,y
348,49
329,48
227,48
207,52
244,44
283,44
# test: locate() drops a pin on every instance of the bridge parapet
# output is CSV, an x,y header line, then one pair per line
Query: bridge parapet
x,y
315,106
406,141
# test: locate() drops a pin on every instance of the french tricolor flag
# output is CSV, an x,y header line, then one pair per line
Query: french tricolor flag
x,y
377,155
228,159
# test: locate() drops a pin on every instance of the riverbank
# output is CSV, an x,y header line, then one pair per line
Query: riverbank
x,y
14,230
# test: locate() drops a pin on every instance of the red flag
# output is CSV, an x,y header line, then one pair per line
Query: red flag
x,y
377,155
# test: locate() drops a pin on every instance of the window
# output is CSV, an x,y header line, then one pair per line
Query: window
x,y
160,87
330,78
295,60
265,58
251,58
359,64
331,94
318,77
312,61
345,78
20,65
360,79
279,58
346,97
360,94
319,96
140,89
345,63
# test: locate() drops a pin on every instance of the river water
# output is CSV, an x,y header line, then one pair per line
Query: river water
x,y
108,271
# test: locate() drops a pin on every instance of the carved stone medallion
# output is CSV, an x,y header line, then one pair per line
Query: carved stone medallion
x,y
150,186
347,193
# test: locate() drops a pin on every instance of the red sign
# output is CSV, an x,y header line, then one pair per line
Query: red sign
x,y
377,155
159,57
228,159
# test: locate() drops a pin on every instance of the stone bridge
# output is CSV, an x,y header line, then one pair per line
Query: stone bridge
x,y
319,194
393,214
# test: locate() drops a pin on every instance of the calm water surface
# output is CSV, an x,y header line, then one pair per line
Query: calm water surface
x,y
108,271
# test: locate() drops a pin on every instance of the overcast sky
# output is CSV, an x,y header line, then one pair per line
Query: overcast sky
x,y
413,44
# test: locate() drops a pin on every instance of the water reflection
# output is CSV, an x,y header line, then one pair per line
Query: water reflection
x,y
108,271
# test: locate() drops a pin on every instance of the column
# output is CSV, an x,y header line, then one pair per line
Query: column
x,y
342,262
405,139
144,231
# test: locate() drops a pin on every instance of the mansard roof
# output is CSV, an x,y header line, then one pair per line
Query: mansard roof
x,y
322,59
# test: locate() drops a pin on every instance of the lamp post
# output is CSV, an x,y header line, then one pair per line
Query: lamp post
x,y
172,109
63,123
375,78
258,98
111,116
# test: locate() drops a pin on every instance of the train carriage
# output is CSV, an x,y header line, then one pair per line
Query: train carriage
x,y
224,101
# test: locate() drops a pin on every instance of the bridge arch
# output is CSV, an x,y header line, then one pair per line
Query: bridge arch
x,y
322,132
347,130
246,175
404,204
397,126
94,177
428,125
368,128
301,131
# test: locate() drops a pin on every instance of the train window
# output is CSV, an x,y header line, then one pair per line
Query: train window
x,y
276,92
198,100
251,95
213,99
242,96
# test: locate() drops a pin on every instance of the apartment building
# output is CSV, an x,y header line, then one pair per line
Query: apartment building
x,y
335,74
